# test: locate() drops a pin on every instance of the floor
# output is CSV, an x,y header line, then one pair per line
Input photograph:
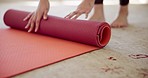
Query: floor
x,y
126,55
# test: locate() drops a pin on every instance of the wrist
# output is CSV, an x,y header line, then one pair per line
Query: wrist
x,y
43,0
89,0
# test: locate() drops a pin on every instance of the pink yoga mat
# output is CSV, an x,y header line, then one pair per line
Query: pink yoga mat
x,y
88,32
56,40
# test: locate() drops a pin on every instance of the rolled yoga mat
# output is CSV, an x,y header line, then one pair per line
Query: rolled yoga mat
x,y
57,39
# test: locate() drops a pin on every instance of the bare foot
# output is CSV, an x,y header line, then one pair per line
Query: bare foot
x,y
121,20
98,13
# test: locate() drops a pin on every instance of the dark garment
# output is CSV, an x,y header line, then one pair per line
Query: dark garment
x,y
122,2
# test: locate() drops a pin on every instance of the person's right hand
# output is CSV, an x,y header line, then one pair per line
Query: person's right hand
x,y
84,7
35,17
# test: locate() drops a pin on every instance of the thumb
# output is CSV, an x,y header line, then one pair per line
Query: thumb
x,y
45,15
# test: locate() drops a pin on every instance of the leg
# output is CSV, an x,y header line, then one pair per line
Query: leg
x,y
98,14
121,20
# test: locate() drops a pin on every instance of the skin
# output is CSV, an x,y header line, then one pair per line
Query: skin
x,y
98,14
85,7
121,20
35,17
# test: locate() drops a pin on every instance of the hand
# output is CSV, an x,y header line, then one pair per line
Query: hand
x,y
34,18
85,7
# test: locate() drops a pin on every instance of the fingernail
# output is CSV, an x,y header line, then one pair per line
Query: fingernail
x,y
45,17
29,31
26,27
24,19
35,30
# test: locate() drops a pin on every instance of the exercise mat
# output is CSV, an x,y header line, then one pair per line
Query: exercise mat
x,y
57,39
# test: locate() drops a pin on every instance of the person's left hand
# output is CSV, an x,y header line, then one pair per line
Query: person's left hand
x,y
85,7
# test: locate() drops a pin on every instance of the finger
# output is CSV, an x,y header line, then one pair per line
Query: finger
x,y
72,14
67,15
27,17
28,24
112,26
76,16
37,26
86,15
32,26
118,25
45,14
37,23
